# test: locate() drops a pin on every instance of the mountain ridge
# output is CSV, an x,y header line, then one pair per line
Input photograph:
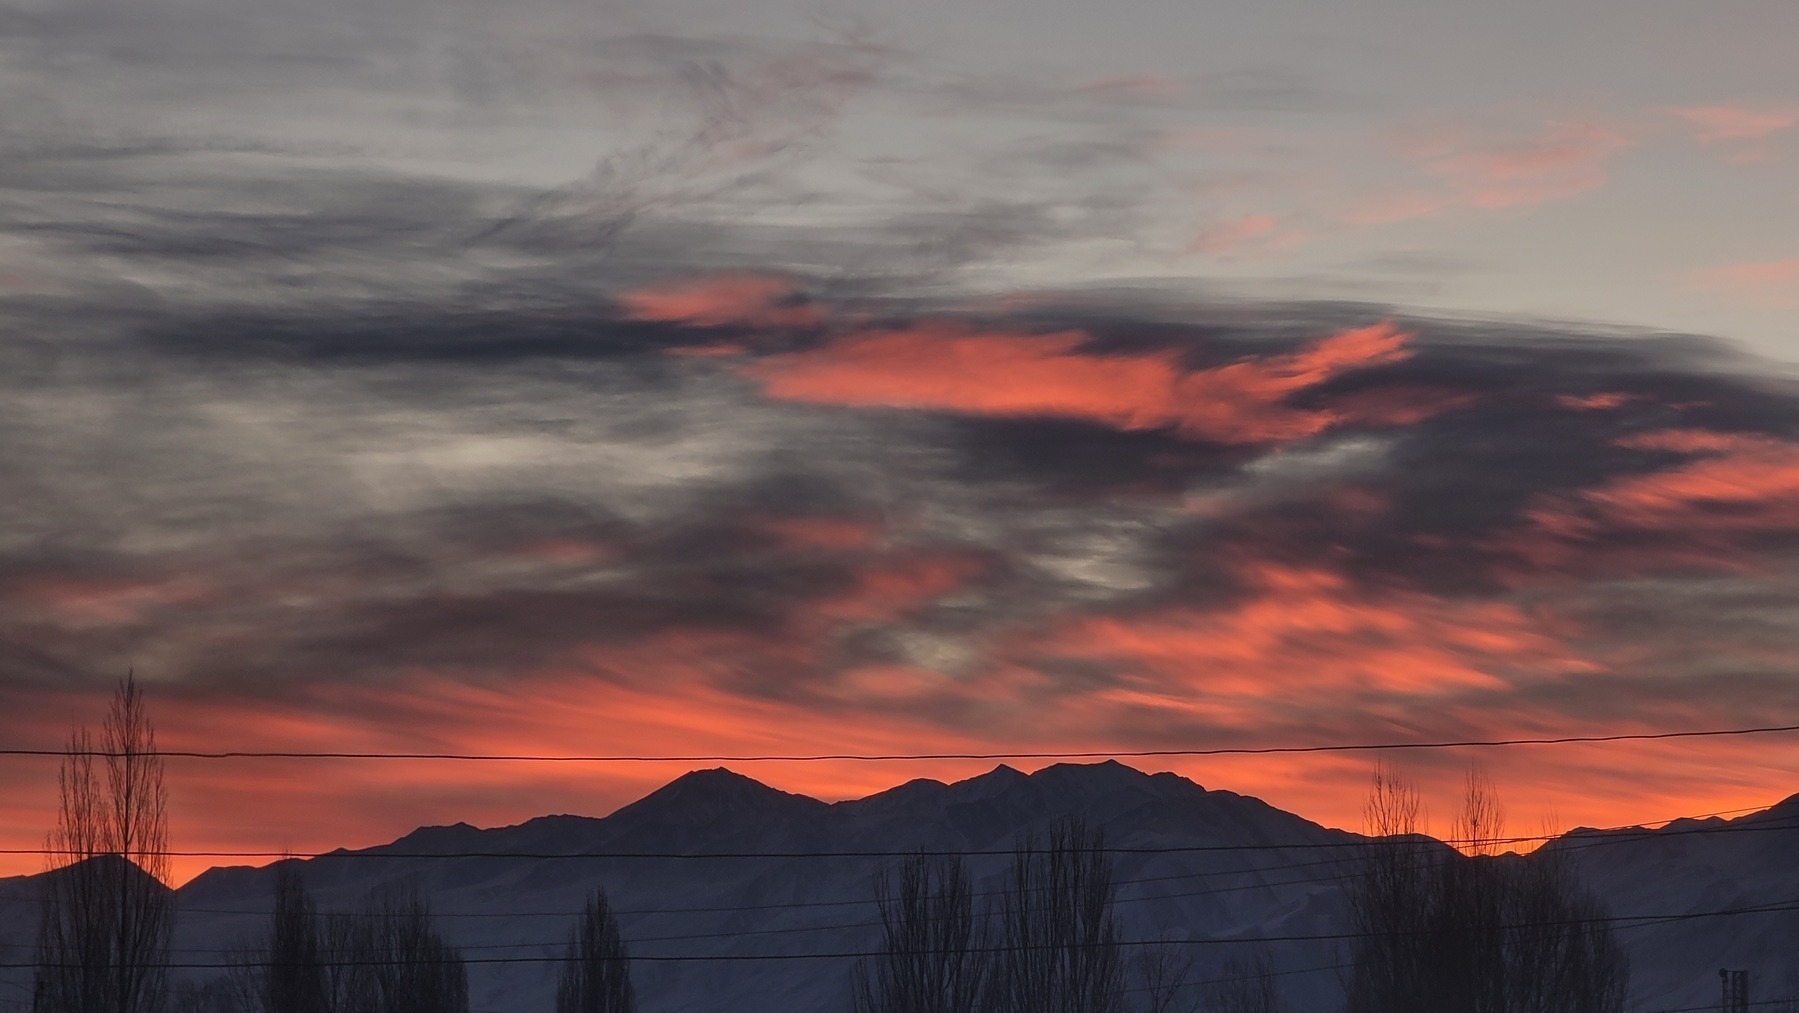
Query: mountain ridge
x,y
715,863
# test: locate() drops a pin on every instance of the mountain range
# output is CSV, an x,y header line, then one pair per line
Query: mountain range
x,y
735,897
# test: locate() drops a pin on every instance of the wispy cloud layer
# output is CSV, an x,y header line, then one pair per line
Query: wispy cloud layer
x,y
864,519
572,377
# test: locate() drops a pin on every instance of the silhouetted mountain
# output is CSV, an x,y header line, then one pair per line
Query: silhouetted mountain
x,y
1227,873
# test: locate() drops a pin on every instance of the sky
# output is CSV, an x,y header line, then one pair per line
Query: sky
x,y
701,378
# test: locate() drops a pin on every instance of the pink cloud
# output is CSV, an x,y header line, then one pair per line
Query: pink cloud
x,y
103,600
745,300
1248,234
1402,206
1310,630
1766,284
1594,402
1563,161
1717,123
1707,512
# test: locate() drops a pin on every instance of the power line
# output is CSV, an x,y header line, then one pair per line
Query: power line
x,y
1638,921
248,754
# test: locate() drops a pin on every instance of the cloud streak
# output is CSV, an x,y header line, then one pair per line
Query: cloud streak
x,y
1764,284
1053,524
948,367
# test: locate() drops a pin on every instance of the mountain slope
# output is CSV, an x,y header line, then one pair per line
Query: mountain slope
x,y
718,865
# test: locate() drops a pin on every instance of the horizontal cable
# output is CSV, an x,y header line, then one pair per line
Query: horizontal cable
x,y
256,754
1620,921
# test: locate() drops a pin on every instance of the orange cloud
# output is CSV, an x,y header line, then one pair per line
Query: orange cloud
x,y
1712,124
1594,402
887,591
745,300
948,366
1309,633
1768,284
1740,483
1737,486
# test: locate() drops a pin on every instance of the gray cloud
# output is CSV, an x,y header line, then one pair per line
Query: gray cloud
x,y
249,500
314,371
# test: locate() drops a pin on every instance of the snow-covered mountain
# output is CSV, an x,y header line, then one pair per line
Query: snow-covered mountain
x,y
722,871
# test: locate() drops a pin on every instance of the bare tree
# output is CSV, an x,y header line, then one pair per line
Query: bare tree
x,y
1247,986
1161,971
1389,903
398,962
931,957
286,974
214,995
106,914
1563,956
1471,907
1059,949
1481,932
596,972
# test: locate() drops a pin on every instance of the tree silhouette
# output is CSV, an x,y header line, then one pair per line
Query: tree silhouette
x,y
396,960
1483,932
288,974
931,959
103,935
1247,986
596,970
1161,969
1059,947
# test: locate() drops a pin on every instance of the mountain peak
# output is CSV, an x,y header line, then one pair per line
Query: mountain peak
x,y
439,840
720,782
112,866
1103,771
717,793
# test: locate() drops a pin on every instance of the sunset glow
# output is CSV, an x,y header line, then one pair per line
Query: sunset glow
x,y
742,380
1253,566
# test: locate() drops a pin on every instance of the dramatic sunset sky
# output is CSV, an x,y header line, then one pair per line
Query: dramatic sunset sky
x,y
768,376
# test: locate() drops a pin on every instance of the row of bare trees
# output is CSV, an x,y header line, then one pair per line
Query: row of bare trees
x,y
107,915
389,958
1438,931
1435,930
1049,943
